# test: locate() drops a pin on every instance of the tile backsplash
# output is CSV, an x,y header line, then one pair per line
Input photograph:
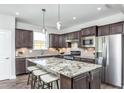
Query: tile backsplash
x,y
87,52
28,52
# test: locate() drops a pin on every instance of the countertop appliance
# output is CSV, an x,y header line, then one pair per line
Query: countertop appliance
x,y
72,54
88,41
109,48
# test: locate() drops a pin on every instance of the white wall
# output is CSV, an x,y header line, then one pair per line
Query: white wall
x,y
8,23
102,21
21,25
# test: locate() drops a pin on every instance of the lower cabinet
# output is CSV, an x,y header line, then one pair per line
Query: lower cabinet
x,y
81,81
95,80
88,80
20,66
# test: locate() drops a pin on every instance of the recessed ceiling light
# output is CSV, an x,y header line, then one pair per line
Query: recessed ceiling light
x,y
99,8
17,13
74,18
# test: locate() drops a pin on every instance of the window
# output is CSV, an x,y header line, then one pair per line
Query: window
x,y
40,40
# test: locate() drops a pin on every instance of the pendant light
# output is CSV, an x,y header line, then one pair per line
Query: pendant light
x,y
58,24
43,23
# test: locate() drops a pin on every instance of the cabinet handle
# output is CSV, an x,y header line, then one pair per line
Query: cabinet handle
x,y
7,58
91,76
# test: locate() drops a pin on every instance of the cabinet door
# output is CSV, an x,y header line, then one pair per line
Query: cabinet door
x,y
116,28
50,41
81,81
64,44
56,41
53,41
104,30
27,39
95,81
60,43
90,31
18,38
24,38
20,66
76,35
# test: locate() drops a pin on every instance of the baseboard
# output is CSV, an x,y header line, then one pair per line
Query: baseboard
x,y
12,77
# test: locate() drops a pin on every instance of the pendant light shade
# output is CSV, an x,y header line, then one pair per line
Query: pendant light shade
x,y
58,24
43,23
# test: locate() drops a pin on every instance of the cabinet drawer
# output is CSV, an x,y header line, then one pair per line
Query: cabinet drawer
x,y
88,60
77,59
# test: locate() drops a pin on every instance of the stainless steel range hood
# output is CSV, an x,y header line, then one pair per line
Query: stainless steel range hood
x,y
71,41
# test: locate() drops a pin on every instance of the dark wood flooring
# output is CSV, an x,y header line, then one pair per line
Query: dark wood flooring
x,y
21,83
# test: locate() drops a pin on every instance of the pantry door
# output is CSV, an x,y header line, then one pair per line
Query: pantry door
x,y
5,54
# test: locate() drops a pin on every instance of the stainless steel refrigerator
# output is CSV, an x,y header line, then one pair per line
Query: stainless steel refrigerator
x,y
109,49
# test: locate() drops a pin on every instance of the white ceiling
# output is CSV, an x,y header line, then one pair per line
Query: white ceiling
x,y
32,14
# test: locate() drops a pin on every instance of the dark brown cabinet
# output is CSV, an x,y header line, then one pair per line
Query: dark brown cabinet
x,y
53,40
81,81
90,31
87,60
104,30
88,80
24,38
95,79
73,35
64,43
59,41
116,28
20,66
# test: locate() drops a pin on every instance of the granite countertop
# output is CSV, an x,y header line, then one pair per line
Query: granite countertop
x,y
65,67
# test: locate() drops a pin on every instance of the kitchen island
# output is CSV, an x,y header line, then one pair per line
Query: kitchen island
x,y
73,74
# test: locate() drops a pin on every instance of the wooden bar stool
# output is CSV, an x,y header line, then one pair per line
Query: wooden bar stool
x,y
30,69
48,80
36,78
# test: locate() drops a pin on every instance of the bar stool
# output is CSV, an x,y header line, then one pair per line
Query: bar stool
x,y
36,78
30,69
48,80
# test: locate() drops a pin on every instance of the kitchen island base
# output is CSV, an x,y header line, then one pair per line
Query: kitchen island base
x,y
88,80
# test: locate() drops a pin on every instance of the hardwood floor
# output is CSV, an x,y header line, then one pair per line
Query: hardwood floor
x,y
21,83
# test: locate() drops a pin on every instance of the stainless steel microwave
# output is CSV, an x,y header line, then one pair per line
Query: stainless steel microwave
x,y
88,41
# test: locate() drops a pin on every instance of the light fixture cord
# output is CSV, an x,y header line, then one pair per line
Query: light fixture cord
x,y
58,12
43,18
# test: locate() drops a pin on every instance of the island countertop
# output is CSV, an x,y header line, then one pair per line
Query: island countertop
x,y
69,68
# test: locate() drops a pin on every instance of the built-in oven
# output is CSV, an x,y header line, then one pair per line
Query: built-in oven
x,y
88,41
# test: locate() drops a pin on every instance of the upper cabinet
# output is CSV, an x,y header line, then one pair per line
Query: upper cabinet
x,y
62,41
116,28
53,40
23,38
90,31
59,41
104,30
72,35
